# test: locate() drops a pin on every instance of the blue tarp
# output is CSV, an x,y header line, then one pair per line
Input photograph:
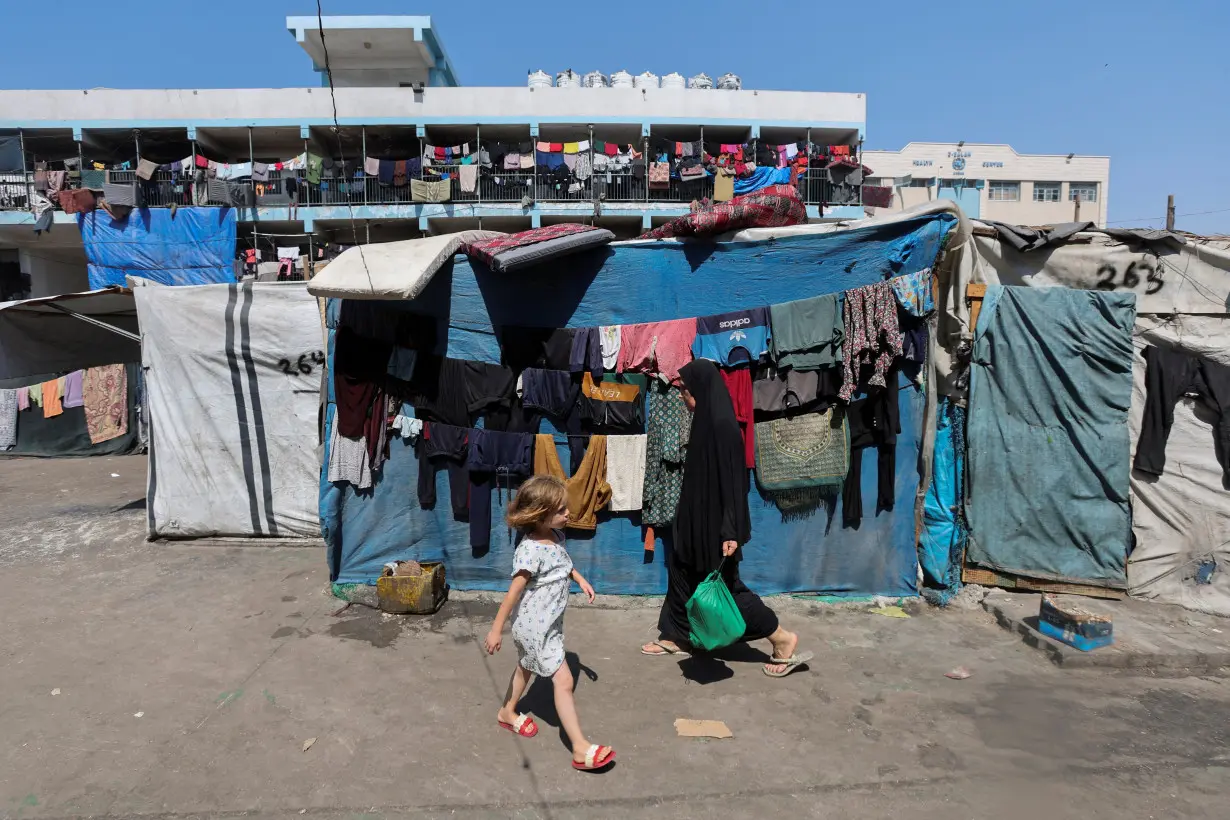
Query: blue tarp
x,y
1048,440
640,283
942,541
190,246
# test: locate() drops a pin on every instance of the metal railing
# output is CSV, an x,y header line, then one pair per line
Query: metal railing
x,y
168,188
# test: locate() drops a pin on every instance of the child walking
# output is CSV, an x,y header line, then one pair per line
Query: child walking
x,y
542,571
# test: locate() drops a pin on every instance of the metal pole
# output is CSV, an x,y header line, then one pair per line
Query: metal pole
x,y
311,263
363,135
91,320
478,188
25,179
136,138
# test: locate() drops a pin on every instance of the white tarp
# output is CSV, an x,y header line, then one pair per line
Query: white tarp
x,y
233,381
39,341
1181,519
391,270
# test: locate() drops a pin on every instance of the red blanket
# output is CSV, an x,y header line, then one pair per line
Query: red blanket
x,y
770,207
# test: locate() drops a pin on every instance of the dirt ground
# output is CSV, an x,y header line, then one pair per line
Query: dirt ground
x,y
179,680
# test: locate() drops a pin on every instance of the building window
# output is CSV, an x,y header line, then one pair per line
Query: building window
x,y
1046,192
1087,190
922,182
963,182
1004,192
875,182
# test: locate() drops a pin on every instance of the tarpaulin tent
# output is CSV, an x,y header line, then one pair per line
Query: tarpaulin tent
x,y
638,282
233,377
43,338
1181,519
183,246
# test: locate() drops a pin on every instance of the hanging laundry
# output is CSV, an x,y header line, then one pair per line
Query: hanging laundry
x,y
494,459
1169,375
778,392
666,444
657,347
802,460
425,191
348,460
611,407
53,396
625,471
35,394
23,398
443,445
371,166
586,353
552,391
457,391
914,293
609,339
468,175
260,172
874,421
408,427
872,336
104,392
8,419
735,338
522,347
739,385
808,333
288,252
72,390
587,490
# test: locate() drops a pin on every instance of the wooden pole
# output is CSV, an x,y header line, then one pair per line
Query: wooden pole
x,y
1170,212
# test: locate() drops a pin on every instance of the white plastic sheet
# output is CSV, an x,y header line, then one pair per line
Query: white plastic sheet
x,y
391,270
233,379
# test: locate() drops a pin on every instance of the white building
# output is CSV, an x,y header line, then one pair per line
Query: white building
x,y
396,94
995,182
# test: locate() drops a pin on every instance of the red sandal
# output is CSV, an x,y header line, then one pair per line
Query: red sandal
x,y
524,725
597,757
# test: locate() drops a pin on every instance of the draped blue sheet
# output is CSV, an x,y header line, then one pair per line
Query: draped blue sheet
x,y
640,283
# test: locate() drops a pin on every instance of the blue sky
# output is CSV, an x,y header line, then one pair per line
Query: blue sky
x,y
1147,84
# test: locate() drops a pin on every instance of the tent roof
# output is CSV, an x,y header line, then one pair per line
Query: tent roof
x,y
390,270
40,338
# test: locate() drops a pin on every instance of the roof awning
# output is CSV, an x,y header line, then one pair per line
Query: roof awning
x,y
44,337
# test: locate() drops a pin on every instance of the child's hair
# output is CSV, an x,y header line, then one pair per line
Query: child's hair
x,y
537,500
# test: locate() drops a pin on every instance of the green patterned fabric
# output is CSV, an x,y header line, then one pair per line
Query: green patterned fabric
x,y
666,444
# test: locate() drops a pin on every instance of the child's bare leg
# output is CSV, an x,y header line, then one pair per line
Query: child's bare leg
x,y
566,708
516,688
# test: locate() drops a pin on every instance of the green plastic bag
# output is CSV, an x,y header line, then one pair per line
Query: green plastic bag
x,y
715,620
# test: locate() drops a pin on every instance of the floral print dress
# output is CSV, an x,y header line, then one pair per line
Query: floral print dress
x,y
538,628
666,444
873,336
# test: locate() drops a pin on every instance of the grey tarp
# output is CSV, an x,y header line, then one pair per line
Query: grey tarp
x,y
1048,458
233,381
39,341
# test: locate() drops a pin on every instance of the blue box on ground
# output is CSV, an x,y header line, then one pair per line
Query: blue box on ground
x,y
1074,626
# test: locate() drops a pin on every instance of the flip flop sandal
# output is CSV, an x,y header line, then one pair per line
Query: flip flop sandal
x,y
595,760
792,663
666,650
524,725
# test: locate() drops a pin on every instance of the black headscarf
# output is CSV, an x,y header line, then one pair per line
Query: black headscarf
x,y
713,503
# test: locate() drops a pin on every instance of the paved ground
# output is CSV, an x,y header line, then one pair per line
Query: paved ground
x,y
232,659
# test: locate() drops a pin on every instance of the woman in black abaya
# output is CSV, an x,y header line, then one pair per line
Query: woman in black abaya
x,y
713,523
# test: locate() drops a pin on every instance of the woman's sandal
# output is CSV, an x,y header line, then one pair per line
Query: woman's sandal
x,y
792,663
524,725
666,650
595,759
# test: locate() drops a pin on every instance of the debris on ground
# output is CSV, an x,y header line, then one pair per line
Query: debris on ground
x,y
960,673
969,598
55,692
139,714
309,743
890,612
702,728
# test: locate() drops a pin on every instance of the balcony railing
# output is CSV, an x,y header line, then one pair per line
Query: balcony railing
x,y
168,188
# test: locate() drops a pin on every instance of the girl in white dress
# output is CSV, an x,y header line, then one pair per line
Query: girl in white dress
x,y
542,571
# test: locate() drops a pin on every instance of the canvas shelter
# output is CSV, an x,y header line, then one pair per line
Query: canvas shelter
x,y
233,375
640,281
1176,550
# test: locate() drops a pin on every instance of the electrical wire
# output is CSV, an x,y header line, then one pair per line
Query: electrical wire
x,y
1157,218
337,131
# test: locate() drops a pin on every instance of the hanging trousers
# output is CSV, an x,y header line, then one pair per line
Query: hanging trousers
x,y
1168,376
442,445
874,421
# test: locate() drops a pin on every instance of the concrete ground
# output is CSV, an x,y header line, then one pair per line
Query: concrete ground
x,y
190,677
